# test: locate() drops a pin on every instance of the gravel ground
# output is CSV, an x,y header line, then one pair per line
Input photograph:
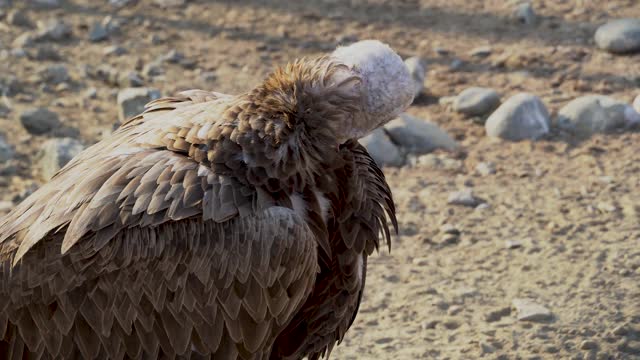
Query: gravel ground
x,y
545,265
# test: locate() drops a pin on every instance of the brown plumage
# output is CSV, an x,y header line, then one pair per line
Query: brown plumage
x,y
231,227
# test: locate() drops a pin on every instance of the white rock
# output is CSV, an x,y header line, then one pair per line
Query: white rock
x,y
418,136
522,116
486,168
528,310
418,69
619,36
476,101
55,154
636,104
591,114
464,197
381,149
525,14
131,101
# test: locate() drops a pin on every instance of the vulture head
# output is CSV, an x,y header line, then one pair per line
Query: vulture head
x,y
338,97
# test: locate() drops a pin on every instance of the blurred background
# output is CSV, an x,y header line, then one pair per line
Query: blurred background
x,y
516,170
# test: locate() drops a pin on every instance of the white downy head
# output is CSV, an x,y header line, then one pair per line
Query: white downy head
x,y
386,88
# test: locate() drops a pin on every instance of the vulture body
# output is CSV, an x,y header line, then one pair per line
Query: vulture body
x,y
213,226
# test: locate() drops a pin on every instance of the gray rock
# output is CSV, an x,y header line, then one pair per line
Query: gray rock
x,y
152,69
632,116
53,30
131,101
173,57
464,197
18,53
50,3
512,244
129,79
4,110
592,114
456,64
524,13
39,121
122,3
588,345
496,315
170,3
486,348
19,18
381,149
418,70
114,50
55,154
55,74
208,76
522,116
476,101
91,93
481,52
45,52
7,151
619,36
10,85
418,136
529,310
98,32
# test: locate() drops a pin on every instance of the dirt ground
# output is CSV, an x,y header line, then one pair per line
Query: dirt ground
x,y
561,224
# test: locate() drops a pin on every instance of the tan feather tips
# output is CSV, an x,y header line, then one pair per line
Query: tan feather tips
x,y
320,94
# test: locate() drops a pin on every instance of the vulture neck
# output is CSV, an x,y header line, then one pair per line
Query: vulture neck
x,y
287,126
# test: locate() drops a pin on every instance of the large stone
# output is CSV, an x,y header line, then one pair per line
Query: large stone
x,y
522,116
619,36
418,70
418,136
476,101
39,121
131,101
591,114
382,149
55,154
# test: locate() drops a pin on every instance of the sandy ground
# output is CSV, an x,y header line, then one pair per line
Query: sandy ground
x,y
561,220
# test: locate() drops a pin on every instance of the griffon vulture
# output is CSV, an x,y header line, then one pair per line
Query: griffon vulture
x,y
211,225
